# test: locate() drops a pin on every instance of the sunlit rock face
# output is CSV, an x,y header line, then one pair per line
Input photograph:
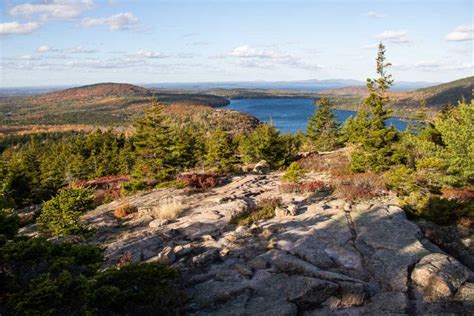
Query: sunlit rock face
x,y
320,256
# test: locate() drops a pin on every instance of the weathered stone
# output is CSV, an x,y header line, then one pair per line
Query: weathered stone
x,y
465,295
439,275
352,294
292,209
206,257
166,256
183,250
211,292
262,167
243,270
303,291
388,303
224,252
158,223
293,265
281,212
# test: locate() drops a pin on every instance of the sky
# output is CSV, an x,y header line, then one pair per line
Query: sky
x,y
64,42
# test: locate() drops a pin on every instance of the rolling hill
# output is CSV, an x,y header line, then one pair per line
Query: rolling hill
x,y
403,103
97,104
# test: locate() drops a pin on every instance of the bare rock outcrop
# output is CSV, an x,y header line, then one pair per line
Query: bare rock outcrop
x,y
321,256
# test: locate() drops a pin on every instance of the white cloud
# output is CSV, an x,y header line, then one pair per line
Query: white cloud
x,y
376,15
370,46
141,54
461,33
78,50
399,37
59,9
43,49
435,65
246,51
18,28
120,21
251,57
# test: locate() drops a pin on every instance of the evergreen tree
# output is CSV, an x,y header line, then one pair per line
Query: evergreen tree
x,y
152,141
376,152
221,151
265,143
322,127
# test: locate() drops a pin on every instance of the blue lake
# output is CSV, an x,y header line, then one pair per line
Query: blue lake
x,y
291,115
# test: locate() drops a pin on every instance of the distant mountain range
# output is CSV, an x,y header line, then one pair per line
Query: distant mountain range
x,y
300,85
311,85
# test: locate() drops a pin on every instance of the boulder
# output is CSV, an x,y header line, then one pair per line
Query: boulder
x,y
262,167
158,223
166,256
206,257
211,292
300,290
465,295
439,275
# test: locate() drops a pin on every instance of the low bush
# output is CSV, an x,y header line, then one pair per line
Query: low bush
x,y
304,187
171,184
336,163
42,278
61,215
124,211
265,209
294,172
358,186
137,289
437,209
9,224
200,181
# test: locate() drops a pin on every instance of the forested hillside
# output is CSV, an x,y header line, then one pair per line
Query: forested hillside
x,y
98,104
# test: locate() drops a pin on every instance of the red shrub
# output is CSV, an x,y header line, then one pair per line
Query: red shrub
x,y
124,210
125,259
461,195
303,187
200,181
358,186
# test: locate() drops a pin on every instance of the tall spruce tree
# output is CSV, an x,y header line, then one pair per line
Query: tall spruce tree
x,y
152,142
322,127
376,152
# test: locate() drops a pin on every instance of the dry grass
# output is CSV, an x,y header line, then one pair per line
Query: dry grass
x,y
336,163
304,187
168,209
360,186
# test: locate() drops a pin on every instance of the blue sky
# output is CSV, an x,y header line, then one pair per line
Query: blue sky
x,y
53,42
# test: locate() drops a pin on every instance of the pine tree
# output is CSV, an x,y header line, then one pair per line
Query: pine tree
x,y
220,151
376,152
152,141
322,127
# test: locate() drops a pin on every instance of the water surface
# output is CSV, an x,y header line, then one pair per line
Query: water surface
x,y
291,115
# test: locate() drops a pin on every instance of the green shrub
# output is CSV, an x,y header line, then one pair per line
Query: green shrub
x,y
265,209
435,208
294,172
401,180
142,289
9,224
61,215
42,278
